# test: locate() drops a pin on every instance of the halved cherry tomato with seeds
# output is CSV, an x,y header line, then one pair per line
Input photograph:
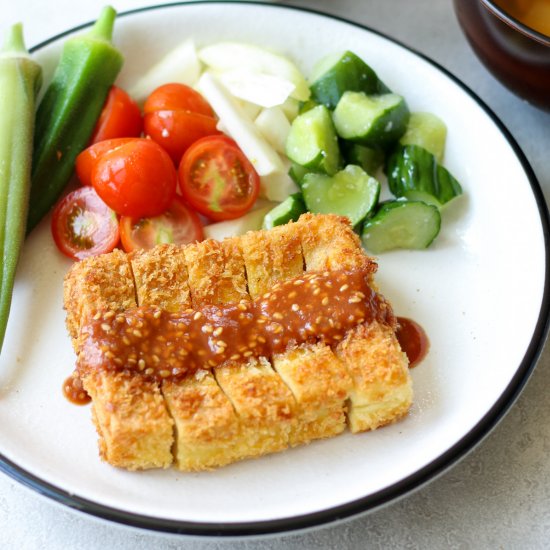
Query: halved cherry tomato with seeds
x,y
136,179
120,117
217,179
88,158
178,224
83,225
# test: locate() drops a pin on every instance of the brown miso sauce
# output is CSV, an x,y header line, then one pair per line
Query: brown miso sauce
x,y
74,391
318,306
413,340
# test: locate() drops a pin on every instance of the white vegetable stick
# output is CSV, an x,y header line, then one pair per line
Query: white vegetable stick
x,y
179,65
232,118
277,186
274,126
291,108
225,56
260,88
252,221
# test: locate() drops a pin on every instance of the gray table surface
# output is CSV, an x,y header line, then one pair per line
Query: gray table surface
x,y
496,497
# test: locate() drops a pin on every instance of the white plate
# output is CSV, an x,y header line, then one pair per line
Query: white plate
x,y
479,292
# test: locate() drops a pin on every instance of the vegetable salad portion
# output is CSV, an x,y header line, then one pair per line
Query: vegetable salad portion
x,y
230,137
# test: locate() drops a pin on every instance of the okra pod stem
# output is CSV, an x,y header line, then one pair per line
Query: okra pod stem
x,y
20,80
67,114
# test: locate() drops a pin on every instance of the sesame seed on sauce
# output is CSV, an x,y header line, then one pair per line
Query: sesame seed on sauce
x,y
159,344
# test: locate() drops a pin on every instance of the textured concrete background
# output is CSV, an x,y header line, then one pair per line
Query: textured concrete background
x,y
498,496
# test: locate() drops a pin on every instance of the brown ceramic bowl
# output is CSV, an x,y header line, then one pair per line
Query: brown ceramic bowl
x,y
517,55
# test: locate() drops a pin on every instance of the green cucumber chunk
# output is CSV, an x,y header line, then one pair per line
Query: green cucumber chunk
x,y
375,121
312,141
297,173
368,158
428,131
401,224
289,210
337,73
351,192
411,168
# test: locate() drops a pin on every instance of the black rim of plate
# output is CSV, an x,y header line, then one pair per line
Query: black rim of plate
x,y
371,502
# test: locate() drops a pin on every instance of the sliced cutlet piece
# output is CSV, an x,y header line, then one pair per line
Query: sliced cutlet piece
x,y
263,403
316,377
206,424
134,427
160,276
382,388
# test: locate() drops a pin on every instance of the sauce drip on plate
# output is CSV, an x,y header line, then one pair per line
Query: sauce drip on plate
x,y
74,391
413,340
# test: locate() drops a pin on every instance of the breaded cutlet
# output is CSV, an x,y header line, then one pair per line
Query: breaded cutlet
x,y
248,406
316,377
382,389
134,428
262,402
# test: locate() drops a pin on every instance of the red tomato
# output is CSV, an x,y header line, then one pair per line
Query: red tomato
x,y
178,225
177,97
175,131
86,160
217,179
83,225
136,179
120,117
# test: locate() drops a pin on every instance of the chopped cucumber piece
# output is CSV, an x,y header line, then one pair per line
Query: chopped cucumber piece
x,y
368,158
428,131
351,192
306,106
413,168
297,173
341,72
376,121
401,224
289,210
312,141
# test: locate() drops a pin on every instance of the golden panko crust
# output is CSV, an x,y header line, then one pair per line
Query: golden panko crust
x,y
244,408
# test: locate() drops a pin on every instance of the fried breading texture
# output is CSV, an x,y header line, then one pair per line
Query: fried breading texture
x,y
316,378
250,406
97,284
382,387
261,401
206,426
133,425
161,277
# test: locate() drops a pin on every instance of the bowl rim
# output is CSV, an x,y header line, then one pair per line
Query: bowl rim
x,y
516,24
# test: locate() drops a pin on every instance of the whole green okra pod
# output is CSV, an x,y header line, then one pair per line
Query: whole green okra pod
x,y
68,112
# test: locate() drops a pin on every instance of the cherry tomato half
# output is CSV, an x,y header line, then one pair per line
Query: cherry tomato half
x,y
83,225
136,179
175,131
179,225
119,118
217,179
177,97
87,159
